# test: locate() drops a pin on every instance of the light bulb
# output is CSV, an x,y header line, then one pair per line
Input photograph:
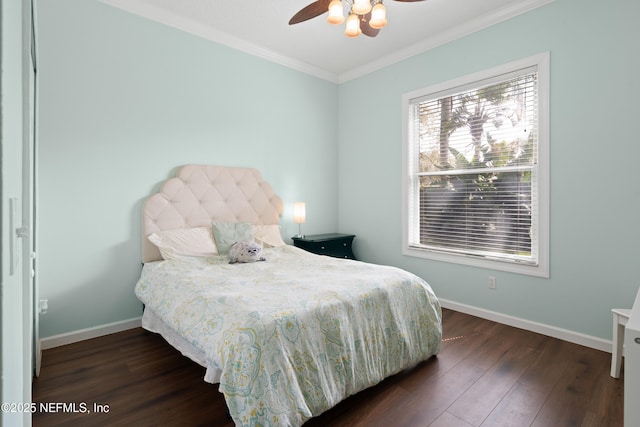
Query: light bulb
x,y
361,7
378,16
352,28
336,13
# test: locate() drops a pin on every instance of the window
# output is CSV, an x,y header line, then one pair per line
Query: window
x,y
476,169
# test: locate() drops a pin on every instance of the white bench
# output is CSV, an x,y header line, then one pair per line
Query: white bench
x,y
620,319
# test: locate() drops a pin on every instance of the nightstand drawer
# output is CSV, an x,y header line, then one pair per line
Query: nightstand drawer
x,y
333,244
334,248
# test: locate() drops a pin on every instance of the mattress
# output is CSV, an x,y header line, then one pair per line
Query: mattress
x,y
290,337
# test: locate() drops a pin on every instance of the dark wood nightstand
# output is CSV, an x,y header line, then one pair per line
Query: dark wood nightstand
x,y
332,244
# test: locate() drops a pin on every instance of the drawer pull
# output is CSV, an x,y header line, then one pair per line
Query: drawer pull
x,y
322,247
637,340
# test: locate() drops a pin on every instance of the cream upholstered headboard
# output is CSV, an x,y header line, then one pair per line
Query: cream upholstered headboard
x,y
201,194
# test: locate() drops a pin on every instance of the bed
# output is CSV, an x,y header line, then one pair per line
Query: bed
x,y
286,338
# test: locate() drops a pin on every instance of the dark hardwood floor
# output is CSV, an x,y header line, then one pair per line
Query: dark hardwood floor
x,y
487,374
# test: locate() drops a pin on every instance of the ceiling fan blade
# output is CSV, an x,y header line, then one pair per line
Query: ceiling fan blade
x,y
312,10
365,28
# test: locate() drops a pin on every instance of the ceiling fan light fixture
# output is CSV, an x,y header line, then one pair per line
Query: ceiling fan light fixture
x,y
361,7
372,13
352,28
378,16
336,13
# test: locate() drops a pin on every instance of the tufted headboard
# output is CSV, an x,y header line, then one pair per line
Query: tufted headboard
x,y
201,194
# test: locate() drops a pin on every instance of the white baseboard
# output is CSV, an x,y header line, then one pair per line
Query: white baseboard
x,y
86,334
540,328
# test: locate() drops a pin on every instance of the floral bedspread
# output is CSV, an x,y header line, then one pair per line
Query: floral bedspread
x,y
295,334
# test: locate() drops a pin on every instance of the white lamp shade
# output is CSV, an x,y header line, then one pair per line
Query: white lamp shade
x,y
336,12
378,16
352,28
299,213
361,7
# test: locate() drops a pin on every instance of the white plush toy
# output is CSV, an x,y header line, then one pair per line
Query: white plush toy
x,y
245,251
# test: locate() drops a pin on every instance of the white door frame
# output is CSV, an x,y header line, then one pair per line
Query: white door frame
x,y
30,197
16,204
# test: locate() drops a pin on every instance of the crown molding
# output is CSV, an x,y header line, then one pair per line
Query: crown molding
x,y
192,27
465,28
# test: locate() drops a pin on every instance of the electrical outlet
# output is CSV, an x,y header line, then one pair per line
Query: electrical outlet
x,y
43,306
492,282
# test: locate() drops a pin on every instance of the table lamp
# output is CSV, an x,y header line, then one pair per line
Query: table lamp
x,y
299,216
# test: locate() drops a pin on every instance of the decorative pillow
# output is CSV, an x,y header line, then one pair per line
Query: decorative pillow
x,y
245,251
184,242
227,233
268,235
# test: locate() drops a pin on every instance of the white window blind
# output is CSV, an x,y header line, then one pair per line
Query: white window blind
x,y
474,169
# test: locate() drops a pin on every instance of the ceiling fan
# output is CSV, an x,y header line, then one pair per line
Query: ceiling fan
x,y
365,16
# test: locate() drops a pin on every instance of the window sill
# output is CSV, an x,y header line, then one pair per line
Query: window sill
x,y
540,270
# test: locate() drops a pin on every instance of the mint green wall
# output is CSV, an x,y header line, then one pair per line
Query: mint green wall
x,y
123,102
594,149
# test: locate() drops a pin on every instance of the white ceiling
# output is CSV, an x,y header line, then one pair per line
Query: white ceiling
x,y
260,27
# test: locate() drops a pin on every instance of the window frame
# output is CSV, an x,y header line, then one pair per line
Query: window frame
x,y
410,158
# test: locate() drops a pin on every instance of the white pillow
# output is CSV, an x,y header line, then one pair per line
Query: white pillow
x,y
185,242
268,235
